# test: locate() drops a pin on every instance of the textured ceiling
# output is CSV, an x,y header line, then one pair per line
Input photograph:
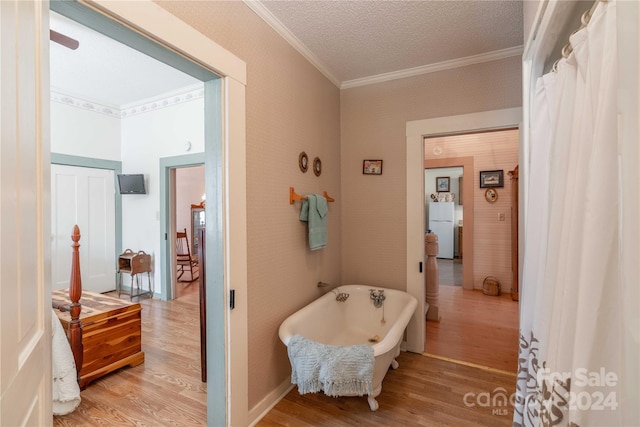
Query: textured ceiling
x,y
357,39
346,40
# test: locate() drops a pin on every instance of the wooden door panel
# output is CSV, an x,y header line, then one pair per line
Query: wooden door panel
x,y
84,196
25,290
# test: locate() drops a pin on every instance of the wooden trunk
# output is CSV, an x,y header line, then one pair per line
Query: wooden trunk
x,y
111,333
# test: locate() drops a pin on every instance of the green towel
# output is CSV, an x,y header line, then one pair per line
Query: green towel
x,y
314,212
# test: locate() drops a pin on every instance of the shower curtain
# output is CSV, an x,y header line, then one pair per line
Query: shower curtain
x,y
573,320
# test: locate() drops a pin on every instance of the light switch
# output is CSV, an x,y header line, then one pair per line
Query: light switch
x,y
501,216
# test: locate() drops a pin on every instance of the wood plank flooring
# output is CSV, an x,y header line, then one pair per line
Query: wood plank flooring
x,y
423,391
166,389
475,328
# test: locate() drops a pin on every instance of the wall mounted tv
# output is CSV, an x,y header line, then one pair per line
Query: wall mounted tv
x,y
131,184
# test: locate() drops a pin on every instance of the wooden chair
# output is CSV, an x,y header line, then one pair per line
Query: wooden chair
x,y
184,260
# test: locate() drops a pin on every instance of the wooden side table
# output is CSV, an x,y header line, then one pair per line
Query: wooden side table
x,y
134,264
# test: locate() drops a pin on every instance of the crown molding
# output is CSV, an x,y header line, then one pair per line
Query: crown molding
x,y
432,68
61,97
259,9
168,99
284,32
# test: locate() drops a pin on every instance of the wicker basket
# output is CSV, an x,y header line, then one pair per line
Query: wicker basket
x,y
491,286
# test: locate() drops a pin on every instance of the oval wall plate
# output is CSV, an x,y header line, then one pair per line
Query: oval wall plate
x,y
317,166
491,195
303,161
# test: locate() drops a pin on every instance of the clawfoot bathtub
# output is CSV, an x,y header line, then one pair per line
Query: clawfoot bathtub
x,y
334,319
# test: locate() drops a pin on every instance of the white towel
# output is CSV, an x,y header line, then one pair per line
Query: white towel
x,y
336,370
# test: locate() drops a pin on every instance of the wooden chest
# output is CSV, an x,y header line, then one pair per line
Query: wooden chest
x,y
111,333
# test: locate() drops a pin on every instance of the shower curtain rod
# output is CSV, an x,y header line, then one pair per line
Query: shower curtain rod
x,y
584,21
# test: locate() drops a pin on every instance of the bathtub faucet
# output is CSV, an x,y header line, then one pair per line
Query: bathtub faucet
x,y
377,297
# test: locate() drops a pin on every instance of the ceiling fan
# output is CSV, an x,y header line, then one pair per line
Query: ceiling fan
x,y
63,40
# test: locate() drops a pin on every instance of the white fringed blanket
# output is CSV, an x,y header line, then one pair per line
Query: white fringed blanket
x,y
336,370
66,392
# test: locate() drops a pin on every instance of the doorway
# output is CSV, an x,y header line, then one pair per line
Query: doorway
x,y
215,129
190,218
442,185
490,337
416,131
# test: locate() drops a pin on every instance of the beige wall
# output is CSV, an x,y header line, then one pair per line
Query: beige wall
x,y
291,107
491,237
373,123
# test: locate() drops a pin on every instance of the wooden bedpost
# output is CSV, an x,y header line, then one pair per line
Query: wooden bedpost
x,y
75,292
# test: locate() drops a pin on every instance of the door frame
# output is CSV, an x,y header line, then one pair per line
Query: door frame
x,y
167,218
416,131
156,32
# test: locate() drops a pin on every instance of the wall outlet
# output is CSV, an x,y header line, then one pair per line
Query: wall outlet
x,y
501,216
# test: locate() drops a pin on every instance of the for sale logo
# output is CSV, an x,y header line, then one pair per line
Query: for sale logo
x,y
590,390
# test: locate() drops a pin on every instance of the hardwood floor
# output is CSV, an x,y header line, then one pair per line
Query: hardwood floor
x,y
424,391
475,328
450,272
166,389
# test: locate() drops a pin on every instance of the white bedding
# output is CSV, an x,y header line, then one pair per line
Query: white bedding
x,y
66,392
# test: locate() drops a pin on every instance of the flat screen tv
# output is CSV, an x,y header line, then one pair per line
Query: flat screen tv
x,y
131,183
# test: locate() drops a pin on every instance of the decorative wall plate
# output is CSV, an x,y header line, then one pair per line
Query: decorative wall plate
x,y
491,195
303,161
317,166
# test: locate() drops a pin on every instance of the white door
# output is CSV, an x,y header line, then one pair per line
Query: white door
x,y
25,285
83,196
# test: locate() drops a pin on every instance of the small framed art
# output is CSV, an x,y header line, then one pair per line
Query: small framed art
x,y
491,195
442,184
372,167
489,179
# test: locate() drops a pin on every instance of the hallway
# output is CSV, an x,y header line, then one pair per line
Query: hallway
x,y
474,328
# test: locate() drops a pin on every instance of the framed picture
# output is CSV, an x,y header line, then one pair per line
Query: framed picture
x,y
442,184
490,179
372,167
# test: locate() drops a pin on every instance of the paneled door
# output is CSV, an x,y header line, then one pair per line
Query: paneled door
x,y
83,196
25,286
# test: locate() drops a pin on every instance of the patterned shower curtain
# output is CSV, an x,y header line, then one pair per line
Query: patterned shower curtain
x,y
573,325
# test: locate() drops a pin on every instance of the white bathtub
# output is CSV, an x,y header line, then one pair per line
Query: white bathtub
x,y
356,321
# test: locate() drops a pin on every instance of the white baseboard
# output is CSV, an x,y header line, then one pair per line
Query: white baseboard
x,y
265,405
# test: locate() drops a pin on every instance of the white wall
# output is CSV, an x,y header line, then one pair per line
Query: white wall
x,y
189,191
454,188
139,141
80,132
146,138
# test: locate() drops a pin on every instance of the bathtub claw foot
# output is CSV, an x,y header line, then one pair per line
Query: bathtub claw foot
x,y
395,364
373,403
